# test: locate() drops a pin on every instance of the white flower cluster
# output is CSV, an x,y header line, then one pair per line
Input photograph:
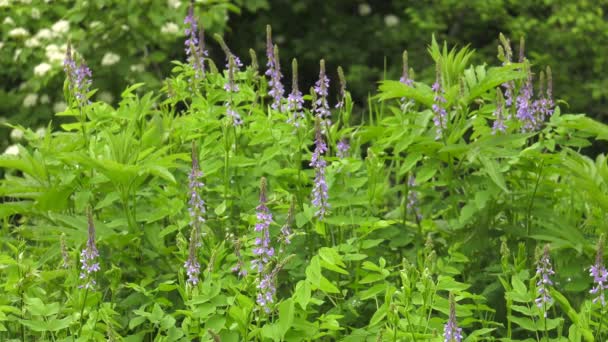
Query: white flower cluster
x,y
169,28
110,58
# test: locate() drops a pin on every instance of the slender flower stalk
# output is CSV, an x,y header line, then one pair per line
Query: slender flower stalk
x,y
263,250
232,87
524,106
441,116
600,275
237,61
505,52
322,90
276,86
79,78
499,121
544,271
295,101
88,257
405,79
195,45
196,203
342,94
319,190
451,331
412,198
193,267
286,232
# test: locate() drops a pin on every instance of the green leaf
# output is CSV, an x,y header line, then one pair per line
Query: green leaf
x,y
286,314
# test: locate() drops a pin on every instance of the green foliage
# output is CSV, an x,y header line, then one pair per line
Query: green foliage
x,y
373,269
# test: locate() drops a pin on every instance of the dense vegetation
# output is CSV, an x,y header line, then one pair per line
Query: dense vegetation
x,y
232,204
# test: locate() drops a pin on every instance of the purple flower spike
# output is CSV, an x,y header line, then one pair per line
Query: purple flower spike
x,y
322,90
88,257
524,106
451,331
405,74
342,148
193,268
267,290
195,185
544,271
79,78
239,268
276,87
263,250
504,49
342,94
599,274
319,190
295,101
441,116
195,45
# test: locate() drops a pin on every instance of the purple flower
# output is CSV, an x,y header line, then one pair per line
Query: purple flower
x,y
88,257
451,331
322,90
543,106
267,290
195,185
599,274
412,198
342,148
524,107
79,78
405,74
319,190
544,271
274,71
193,268
263,250
295,101
195,46
441,115
233,115
231,85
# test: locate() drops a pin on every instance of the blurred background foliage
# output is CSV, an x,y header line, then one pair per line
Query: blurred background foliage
x,y
133,41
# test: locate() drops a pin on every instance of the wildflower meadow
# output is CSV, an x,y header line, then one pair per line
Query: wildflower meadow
x,y
236,202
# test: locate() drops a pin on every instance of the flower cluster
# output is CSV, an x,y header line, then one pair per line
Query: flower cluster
x,y
263,250
195,45
295,101
525,110
451,331
193,267
543,106
342,148
274,72
88,257
239,268
231,86
441,116
319,189
322,91
544,271
79,78
195,185
600,274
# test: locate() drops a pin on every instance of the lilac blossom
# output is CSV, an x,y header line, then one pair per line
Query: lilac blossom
x,y
79,77
263,250
267,290
295,101
451,331
544,271
88,257
319,190
195,185
543,106
342,148
195,46
274,71
600,275
412,198
499,123
441,115
524,107
322,90
193,267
